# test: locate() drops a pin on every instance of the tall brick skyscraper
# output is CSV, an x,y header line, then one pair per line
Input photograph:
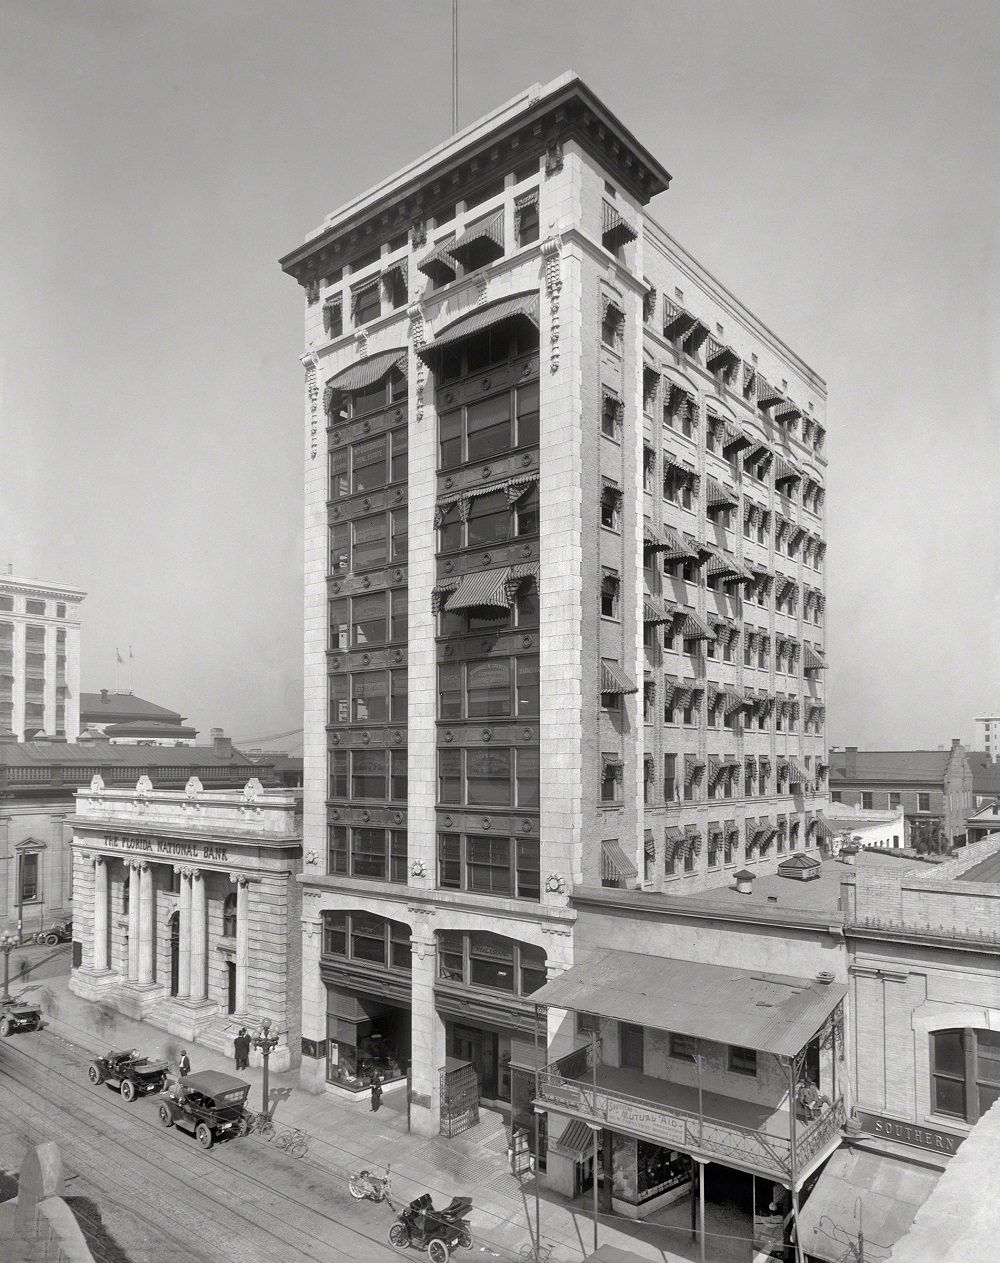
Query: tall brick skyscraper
x,y
564,586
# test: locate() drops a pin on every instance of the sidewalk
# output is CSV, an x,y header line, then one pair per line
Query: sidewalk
x,y
345,1135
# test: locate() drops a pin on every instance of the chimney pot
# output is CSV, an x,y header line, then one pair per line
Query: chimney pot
x,y
104,695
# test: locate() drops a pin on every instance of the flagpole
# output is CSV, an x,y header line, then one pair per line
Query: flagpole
x,y
454,65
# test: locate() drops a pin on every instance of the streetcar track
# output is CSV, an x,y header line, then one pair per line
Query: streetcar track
x,y
256,1209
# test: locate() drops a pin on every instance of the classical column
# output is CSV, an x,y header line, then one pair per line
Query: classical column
x,y
242,942
145,923
133,919
100,913
184,937
198,934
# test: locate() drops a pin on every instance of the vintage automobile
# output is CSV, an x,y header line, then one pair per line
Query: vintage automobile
x,y
61,932
421,1227
210,1105
16,1015
133,1075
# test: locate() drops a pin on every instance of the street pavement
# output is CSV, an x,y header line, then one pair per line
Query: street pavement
x,y
345,1135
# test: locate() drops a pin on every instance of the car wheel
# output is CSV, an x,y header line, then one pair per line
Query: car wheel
x,y
166,1118
203,1134
399,1235
94,1073
6,1026
51,940
437,1250
465,1240
127,1089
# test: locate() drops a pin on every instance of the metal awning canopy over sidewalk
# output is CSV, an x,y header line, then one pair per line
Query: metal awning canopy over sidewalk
x,y
773,1013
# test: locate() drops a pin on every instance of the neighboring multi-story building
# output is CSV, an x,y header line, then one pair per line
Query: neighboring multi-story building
x,y
934,788
564,586
38,784
39,659
988,735
129,720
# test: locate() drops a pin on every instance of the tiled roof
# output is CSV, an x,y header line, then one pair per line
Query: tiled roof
x,y
121,707
985,773
103,754
889,767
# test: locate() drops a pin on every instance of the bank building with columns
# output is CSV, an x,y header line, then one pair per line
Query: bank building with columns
x,y
187,911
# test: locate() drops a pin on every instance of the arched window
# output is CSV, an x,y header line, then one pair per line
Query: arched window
x,y
368,939
965,1072
229,917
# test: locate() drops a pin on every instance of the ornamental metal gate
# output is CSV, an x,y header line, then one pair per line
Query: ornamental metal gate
x,y
459,1097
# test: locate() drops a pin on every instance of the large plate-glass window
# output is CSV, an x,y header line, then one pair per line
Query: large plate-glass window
x,y
371,546
488,864
487,775
965,1072
490,961
486,428
362,936
370,460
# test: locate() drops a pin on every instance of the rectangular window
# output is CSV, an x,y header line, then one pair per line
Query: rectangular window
x,y
450,776
488,688
488,778
34,607
398,696
895,799
371,545
340,710
923,802
368,858
333,318
336,859
366,302
338,773
28,891
682,1047
610,501
526,218
368,615
742,1060
488,427
669,775
397,775
369,697
866,801
489,869
368,774
369,460
527,685
609,417
528,771
398,623
338,623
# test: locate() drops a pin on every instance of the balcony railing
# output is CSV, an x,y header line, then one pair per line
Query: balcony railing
x,y
762,1151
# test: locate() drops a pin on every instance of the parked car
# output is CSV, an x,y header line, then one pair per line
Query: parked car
x,y
209,1105
16,1015
132,1074
61,932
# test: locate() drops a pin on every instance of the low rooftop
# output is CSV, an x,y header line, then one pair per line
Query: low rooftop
x,y
889,767
820,893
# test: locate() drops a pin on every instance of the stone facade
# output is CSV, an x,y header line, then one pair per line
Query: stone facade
x,y
39,658
187,911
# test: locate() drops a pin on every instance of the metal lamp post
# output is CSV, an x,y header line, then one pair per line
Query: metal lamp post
x,y
265,1042
8,942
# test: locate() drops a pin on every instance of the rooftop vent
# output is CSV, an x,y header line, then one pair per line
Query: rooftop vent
x,y
825,977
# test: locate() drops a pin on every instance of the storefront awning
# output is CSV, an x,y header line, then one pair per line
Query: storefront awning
x,y
615,864
614,679
576,1140
891,1190
366,372
517,306
774,1013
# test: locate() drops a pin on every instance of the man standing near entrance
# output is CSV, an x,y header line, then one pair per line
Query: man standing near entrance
x,y
184,1064
241,1047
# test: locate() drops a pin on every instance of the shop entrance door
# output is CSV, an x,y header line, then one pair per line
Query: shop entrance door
x,y
175,952
479,1047
230,987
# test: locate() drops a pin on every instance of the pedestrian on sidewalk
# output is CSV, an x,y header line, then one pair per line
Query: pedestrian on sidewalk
x,y
184,1065
241,1047
376,1093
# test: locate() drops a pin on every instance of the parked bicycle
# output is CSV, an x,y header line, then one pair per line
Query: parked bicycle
x,y
531,1253
262,1124
294,1142
377,1188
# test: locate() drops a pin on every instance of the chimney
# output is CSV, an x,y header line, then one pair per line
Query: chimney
x,y
744,881
104,696
850,761
221,744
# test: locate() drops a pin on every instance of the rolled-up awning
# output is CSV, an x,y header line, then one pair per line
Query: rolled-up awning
x,y
614,679
485,230
615,864
365,373
517,306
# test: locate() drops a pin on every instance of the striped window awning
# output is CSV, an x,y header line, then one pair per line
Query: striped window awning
x,y
677,320
765,831
797,774
652,613
678,401
694,769
612,308
823,827
733,438
648,771
714,835
732,832
649,844
734,701
718,496
784,471
648,300
723,563
615,229
610,490
694,627
513,488
575,1141
393,270
678,546
672,839
670,686
441,592
695,337
716,768
614,679
767,395
439,265
812,661
611,765
516,307
488,231
718,356
749,380
615,864
650,382
788,413
361,290
365,373
490,589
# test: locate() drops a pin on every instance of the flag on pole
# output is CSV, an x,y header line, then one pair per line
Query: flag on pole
x,y
118,655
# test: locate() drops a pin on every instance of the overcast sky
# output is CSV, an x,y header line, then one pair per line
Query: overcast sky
x,y
835,165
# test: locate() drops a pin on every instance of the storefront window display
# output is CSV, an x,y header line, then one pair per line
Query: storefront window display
x,y
358,1050
641,1171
